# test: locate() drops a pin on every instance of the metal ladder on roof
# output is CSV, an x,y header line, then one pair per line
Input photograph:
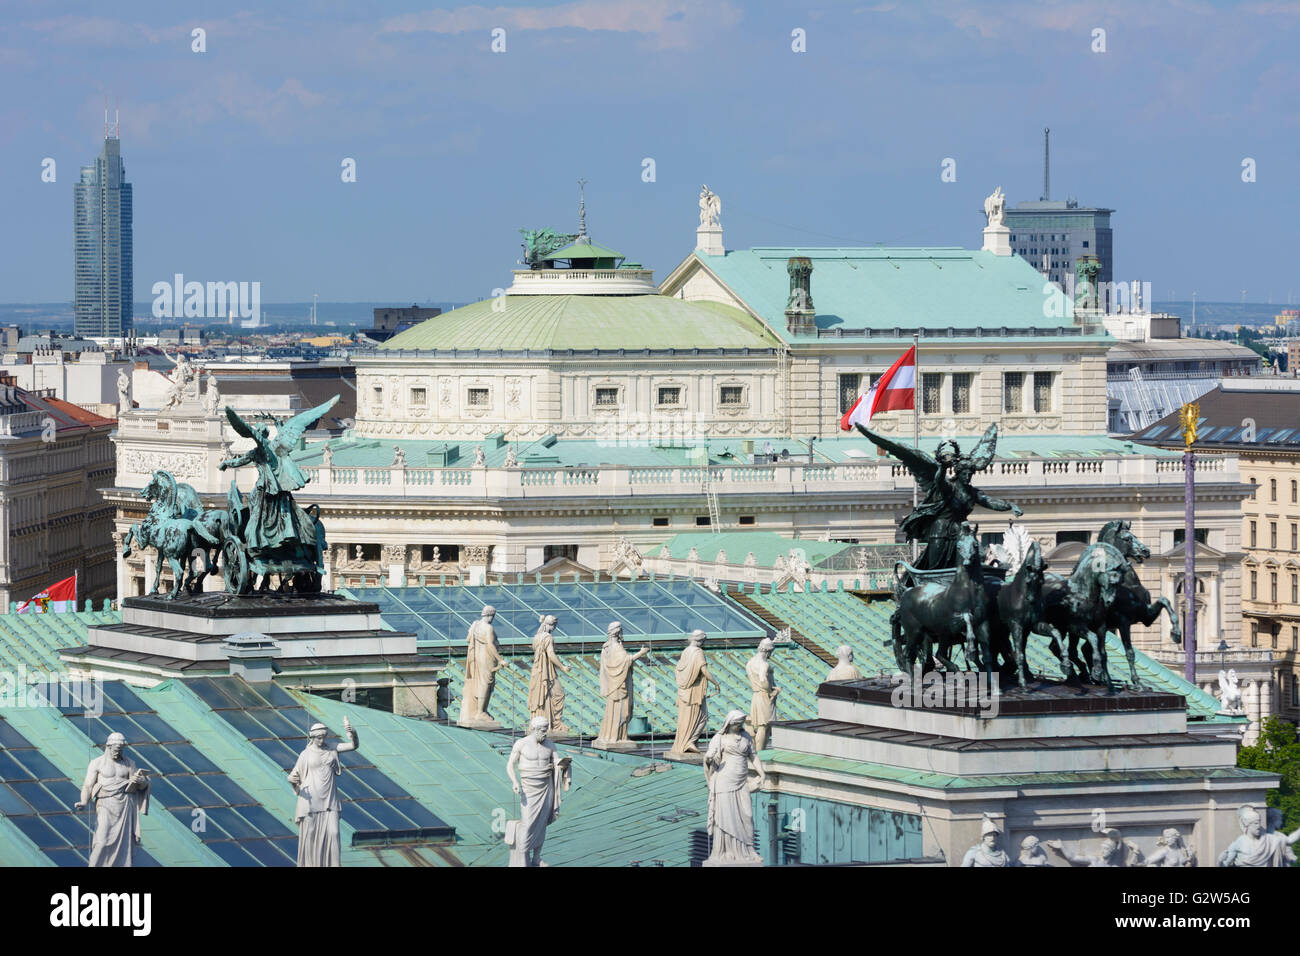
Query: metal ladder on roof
x,y
715,513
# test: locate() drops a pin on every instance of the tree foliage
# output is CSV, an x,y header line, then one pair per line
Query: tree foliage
x,y
1278,751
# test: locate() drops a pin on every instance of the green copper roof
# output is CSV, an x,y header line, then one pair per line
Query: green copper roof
x,y
587,322
854,288
585,250
766,546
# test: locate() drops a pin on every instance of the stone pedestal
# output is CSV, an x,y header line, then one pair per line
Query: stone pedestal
x,y
997,240
318,642
708,240
1061,763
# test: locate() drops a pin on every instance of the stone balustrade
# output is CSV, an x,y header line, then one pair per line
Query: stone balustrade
x,y
787,477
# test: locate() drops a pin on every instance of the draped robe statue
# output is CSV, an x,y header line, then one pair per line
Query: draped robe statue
x,y
987,852
616,687
762,682
543,773
845,669
120,792
319,807
693,679
545,695
727,763
1256,846
482,661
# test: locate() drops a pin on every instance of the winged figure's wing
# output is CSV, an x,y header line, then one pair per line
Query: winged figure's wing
x,y
920,464
240,426
982,455
286,437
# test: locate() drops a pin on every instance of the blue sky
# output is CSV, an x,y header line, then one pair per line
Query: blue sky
x,y
235,153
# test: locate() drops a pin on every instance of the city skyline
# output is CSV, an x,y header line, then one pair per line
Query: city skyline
x,y
243,145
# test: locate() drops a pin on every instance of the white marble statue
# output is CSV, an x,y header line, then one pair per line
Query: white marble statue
x,y
727,764
120,793
319,807
1032,853
327,456
1258,846
212,397
1013,550
616,687
762,681
543,775
987,852
123,392
995,207
710,207
482,661
545,695
693,680
512,459
845,669
1230,693
480,459
180,378
1171,850
399,457
1114,851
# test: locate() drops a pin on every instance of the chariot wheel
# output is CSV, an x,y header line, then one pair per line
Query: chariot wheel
x,y
234,567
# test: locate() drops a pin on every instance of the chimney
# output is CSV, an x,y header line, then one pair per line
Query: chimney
x,y
799,314
252,656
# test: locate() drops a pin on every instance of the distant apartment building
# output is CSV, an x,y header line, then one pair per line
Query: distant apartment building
x,y
54,456
1051,234
390,321
102,246
74,370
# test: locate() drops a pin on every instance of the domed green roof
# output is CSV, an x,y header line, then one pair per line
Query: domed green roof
x,y
587,322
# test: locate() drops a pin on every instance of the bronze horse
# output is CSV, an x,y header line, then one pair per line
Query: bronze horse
x,y
1133,604
933,617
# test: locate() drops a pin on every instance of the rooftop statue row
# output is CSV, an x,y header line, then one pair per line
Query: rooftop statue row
x,y
270,535
949,599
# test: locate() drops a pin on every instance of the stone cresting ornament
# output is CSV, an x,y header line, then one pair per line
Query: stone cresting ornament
x,y
727,770
995,207
319,807
120,793
542,776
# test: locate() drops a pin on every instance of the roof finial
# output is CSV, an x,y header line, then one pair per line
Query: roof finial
x,y
582,212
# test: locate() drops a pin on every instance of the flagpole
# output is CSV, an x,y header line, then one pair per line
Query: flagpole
x,y
916,425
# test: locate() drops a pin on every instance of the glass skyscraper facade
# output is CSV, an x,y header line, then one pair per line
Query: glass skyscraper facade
x,y
102,246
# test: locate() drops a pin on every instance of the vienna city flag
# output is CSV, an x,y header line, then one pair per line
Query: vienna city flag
x,y
893,391
58,597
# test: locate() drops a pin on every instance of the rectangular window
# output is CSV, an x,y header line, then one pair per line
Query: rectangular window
x,y
418,396
670,395
1295,536
1295,646
552,551
702,521
1013,384
746,519
1254,585
606,397
961,393
1272,535
1272,585
1295,589
659,522
732,395
931,393
1273,641
478,397
1201,535
1254,633
1254,537
1295,490
850,383
1042,391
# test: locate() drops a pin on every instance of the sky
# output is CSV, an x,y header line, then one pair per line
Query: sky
x,y
236,153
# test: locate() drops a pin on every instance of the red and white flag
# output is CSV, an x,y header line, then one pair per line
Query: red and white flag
x,y
893,391
57,598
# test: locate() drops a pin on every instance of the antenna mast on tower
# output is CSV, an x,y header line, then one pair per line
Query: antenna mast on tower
x,y
1047,164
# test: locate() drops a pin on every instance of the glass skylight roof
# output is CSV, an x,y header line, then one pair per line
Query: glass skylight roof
x,y
648,608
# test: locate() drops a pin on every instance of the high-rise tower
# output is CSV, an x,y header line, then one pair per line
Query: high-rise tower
x,y
102,246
